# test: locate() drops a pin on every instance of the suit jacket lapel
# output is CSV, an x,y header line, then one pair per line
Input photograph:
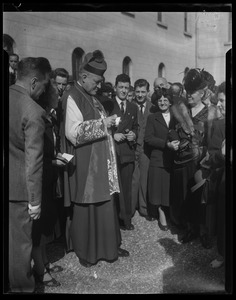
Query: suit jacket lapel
x,y
125,117
116,108
160,119
147,108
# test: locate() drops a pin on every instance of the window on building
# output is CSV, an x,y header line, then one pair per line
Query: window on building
x,y
159,16
186,25
186,22
8,43
77,57
128,13
161,70
230,28
126,67
160,20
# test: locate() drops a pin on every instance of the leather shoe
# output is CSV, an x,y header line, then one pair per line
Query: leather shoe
x,y
84,263
178,226
53,269
150,219
129,227
205,241
188,237
163,227
123,252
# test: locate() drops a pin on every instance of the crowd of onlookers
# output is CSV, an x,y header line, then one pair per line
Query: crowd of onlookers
x,y
86,155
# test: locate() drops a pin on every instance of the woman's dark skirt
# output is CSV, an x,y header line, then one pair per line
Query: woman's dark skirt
x,y
158,186
180,182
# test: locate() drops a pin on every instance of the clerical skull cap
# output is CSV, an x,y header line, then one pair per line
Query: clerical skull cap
x,y
95,63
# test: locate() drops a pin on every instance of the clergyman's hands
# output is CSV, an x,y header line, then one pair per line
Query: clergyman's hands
x,y
34,211
110,121
223,147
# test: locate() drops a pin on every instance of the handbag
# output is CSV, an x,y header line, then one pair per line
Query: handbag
x,y
188,147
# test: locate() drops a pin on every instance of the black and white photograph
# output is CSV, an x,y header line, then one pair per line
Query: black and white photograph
x,y
116,165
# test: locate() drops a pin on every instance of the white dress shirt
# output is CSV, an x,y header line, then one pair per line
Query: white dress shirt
x,y
166,117
119,102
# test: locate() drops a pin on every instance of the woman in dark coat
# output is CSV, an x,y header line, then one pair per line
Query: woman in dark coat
x,y
186,207
161,158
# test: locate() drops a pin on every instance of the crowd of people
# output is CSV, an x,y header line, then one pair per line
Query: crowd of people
x,y
86,155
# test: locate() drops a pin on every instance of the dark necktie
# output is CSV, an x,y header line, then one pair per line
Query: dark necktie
x,y
142,108
122,107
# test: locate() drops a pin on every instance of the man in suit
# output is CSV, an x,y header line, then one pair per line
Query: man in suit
x,y
125,135
26,140
13,63
60,78
139,181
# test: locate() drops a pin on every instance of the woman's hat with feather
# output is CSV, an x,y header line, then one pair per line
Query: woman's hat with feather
x,y
194,80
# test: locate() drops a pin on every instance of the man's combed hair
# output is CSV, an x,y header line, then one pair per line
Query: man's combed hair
x,y
14,54
123,78
221,88
131,88
39,66
60,72
141,82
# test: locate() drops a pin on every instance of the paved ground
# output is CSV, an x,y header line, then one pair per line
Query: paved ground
x,y
158,264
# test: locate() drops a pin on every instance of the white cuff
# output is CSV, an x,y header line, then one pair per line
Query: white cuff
x,y
35,207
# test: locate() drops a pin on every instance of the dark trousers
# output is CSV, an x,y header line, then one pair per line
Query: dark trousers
x,y
125,172
20,247
139,184
69,215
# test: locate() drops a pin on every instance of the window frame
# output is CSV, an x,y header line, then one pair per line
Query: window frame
x,y
161,22
186,29
229,33
128,13
126,65
76,59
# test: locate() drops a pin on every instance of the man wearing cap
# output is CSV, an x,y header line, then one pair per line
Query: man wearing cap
x,y
91,178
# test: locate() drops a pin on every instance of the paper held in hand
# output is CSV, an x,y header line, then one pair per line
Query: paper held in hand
x,y
117,121
67,156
